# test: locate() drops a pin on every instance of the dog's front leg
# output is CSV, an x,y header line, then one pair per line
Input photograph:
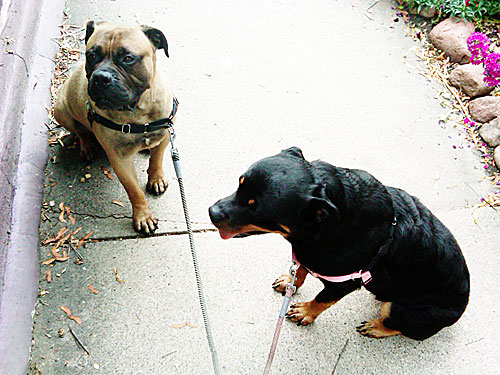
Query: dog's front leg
x,y
281,282
142,216
304,313
157,183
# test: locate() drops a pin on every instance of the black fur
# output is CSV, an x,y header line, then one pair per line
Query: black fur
x,y
336,220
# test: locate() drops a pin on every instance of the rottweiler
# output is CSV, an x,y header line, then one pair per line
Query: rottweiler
x,y
350,230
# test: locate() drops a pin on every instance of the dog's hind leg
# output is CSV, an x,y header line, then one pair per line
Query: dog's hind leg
x,y
281,282
418,322
375,328
85,136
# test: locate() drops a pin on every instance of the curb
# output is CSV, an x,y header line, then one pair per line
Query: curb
x,y
27,71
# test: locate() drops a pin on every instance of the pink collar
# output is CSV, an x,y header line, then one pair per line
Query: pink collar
x,y
365,276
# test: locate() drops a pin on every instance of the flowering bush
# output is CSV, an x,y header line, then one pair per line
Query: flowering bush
x,y
468,9
478,45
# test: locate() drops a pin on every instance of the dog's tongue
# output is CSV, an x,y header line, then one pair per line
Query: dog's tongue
x,y
226,235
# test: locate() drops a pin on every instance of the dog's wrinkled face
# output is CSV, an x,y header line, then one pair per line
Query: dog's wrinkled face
x,y
119,63
276,194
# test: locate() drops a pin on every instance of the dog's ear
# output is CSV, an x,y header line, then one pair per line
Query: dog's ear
x,y
293,151
319,207
89,30
157,38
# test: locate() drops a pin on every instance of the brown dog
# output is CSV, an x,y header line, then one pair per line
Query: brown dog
x,y
119,96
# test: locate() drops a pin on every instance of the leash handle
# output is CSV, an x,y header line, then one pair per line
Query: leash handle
x,y
289,291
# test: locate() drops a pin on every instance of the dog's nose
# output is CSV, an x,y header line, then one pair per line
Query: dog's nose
x,y
216,214
102,78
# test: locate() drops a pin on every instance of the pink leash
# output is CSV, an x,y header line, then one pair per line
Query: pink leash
x,y
290,289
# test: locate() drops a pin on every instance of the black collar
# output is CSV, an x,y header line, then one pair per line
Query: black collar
x,y
133,128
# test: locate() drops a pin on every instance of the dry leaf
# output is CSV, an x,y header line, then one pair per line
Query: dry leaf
x,y
75,318
66,310
48,277
61,217
116,276
48,261
59,234
118,203
106,172
92,290
185,324
68,214
82,240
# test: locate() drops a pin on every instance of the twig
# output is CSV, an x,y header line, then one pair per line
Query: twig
x,y
453,93
371,6
483,199
22,58
340,355
76,251
78,341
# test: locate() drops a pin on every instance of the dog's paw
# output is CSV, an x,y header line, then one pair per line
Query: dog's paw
x,y
281,282
302,313
157,184
375,329
144,222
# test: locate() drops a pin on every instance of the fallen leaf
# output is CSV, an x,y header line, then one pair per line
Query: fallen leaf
x,y
185,324
48,261
59,234
82,240
118,203
66,310
116,276
68,214
76,231
48,277
75,318
88,175
61,217
106,172
92,290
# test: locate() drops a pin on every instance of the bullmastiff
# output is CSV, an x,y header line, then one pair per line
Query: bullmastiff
x,y
118,94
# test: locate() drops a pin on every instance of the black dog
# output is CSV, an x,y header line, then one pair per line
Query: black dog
x,y
341,221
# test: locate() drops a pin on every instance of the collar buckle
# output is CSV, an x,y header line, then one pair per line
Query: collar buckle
x,y
126,126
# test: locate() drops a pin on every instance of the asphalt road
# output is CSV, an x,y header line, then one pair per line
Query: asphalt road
x,y
340,80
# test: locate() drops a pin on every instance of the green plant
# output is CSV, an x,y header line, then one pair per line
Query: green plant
x,y
473,10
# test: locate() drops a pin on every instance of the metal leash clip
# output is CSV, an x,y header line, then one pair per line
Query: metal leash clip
x,y
293,276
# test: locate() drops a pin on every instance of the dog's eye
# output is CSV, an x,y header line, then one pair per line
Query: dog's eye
x,y
251,202
128,59
90,56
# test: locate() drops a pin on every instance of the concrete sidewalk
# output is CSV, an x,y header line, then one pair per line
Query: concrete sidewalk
x,y
339,80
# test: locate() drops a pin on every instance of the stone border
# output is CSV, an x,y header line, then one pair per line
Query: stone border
x,y
26,75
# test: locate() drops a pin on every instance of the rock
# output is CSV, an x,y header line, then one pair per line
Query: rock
x,y
469,78
496,156
490,132
450,36
484,109
426,12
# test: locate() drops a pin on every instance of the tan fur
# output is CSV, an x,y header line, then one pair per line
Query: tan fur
x,y
304,313
155,103
375,328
